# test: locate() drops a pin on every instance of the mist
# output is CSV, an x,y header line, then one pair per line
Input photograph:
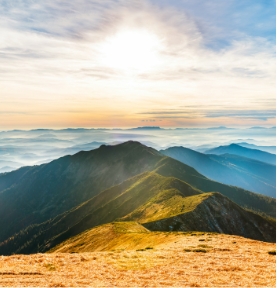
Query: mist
x,y
34,147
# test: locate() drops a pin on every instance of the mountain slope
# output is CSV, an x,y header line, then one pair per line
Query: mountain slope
x,y
36,194
244,152
108,206
169,167
234,170
269,149
48,190
148,197
217,213
116,235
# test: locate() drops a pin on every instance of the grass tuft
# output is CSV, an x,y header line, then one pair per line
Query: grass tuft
x,y
200,250
204,246
50,267
272,252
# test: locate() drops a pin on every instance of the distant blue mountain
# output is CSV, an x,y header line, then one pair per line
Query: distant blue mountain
x,y
258,127
147,128
244,152
219,128
229,169
269,149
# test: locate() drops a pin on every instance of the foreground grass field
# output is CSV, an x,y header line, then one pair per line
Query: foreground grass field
x,y
186,260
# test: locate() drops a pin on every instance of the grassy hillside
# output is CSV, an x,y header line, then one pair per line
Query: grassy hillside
x,y
229,169
108,206
145,198
166,204
217,213
115,236
170,167
46,191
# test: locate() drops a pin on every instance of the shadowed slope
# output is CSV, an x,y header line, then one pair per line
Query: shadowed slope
x,y
48,190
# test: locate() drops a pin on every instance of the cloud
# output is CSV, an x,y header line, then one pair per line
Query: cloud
x,y
50,52
210,113
69,33
243,114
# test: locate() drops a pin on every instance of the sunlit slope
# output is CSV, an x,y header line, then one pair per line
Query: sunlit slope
x,y
166,204
46,191
216,213
229,169
108,206
210,212
115,236
161,203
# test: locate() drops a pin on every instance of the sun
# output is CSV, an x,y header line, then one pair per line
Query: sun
x,y
131,51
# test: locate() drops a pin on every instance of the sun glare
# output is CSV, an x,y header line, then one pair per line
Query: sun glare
x,y
131,51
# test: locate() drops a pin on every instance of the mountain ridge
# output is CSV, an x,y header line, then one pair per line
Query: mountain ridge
x,y
155,197
43,197
229,169
245,152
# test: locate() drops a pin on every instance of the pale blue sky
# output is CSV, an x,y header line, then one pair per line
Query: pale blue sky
x,y
92,63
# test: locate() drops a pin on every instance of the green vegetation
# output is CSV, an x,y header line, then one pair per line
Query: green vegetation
x,y
51,203
166,204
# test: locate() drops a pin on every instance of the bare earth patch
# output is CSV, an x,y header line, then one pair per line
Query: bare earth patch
x,y
191,260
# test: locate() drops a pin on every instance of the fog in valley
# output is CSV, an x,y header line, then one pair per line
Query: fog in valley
x,y
23,148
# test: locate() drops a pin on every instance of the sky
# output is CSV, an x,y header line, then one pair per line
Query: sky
x,y
128,63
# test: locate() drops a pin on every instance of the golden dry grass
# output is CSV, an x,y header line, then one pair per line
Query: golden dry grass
x,y
229,261
116,236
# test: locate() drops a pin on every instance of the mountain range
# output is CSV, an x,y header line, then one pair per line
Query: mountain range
x,y
269,149
42,206
238,150
229,169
